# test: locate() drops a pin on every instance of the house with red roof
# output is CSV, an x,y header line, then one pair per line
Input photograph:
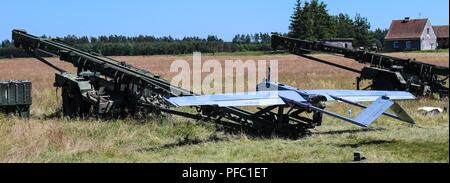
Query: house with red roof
x,y
441,32
410,34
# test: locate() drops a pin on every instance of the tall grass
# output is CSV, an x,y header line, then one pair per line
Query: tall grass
x,y
48,137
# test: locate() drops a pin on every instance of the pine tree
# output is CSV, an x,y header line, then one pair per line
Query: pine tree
x,y
242,39
256,38
295,26
363,37
311,21
248,39
5,43
236,39
266,38
343,26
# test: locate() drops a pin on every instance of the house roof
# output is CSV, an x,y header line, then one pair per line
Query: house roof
x,y
441,31
406,29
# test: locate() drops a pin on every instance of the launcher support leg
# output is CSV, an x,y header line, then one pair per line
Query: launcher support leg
x,y
358,82
280,121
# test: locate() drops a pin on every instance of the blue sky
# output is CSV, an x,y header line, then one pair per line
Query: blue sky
x,y
180,18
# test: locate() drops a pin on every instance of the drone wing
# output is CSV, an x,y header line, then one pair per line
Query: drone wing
x,y
361,95
382,100
259,98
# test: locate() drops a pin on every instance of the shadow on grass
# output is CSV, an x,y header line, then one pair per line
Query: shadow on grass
x,y
340,132
58,114
372,142
186,141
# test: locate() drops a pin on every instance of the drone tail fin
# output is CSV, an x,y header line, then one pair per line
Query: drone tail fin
x,y
373,111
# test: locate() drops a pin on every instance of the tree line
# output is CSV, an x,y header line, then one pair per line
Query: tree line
x,y
263,38
150,45
311,21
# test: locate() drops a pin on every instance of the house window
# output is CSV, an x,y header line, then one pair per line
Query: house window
x,y
408,44
428,30
396,44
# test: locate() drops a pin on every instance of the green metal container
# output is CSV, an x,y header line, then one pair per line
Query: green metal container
x,y
15,97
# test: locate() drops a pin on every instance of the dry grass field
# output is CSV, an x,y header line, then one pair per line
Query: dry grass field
x,y
49,138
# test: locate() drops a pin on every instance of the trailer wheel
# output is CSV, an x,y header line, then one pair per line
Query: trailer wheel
x,y
73,103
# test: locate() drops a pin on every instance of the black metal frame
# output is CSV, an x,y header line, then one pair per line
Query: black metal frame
x,y
119,73
419,78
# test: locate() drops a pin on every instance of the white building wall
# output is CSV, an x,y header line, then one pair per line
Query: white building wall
x,y
428,38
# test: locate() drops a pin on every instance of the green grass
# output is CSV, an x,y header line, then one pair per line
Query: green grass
x,y
175,139
179,140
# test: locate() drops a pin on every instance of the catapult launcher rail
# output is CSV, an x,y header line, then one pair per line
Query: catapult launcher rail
x,y
385,72
108,88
